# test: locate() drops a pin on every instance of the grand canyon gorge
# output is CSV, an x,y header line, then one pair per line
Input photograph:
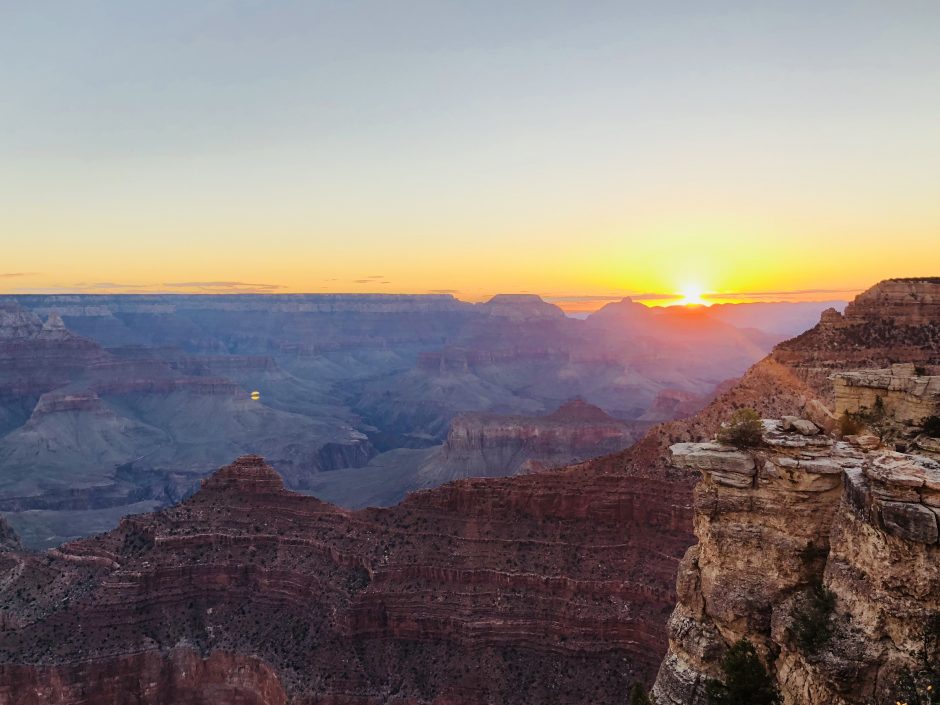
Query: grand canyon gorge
x,y
546,585
469,353
112,405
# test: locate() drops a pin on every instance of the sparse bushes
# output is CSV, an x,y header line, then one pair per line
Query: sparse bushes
x,y
849,425
743,430
639,696
812,618
921,685
746,680
812,553
932,426
877,420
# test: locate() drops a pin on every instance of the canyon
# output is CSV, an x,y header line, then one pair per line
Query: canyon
x,y
546,587
111,405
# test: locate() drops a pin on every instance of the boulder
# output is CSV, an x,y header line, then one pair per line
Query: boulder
x,y
819,414
801,426
724,464
908,521
865,441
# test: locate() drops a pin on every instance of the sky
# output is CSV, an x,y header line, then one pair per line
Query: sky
x,y
737,150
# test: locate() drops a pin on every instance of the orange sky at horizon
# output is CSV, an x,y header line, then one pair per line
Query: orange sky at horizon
x,y
570,302
582,152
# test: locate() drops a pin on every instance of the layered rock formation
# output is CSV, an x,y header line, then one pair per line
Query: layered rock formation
x,y
482,445
87,430
902,393
508,591
895,321
492,445
774,521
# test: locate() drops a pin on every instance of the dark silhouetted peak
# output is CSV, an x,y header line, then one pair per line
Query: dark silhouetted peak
x,y
249,474
579,411
624,310
521,306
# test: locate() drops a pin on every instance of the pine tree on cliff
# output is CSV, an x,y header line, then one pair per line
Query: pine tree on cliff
x,y
745,682
639,696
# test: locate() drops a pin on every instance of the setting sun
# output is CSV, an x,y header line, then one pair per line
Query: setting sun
x,y
691,296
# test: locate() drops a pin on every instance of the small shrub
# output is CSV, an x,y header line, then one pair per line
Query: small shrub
x,y
639,696
744,430
921,685
746,680
849,425
812,619
932,426
878,420
812,553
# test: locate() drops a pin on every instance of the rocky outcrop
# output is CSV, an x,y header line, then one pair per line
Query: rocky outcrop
x,y
808,510
771,521
902,393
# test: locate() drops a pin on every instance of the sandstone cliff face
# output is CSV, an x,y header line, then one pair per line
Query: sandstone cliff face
x,y
756,513
904,395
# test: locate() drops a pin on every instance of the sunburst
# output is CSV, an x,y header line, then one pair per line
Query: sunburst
x,y
691,296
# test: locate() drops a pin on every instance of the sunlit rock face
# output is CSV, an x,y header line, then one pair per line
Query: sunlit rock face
x,y
902,391
871,517
897,320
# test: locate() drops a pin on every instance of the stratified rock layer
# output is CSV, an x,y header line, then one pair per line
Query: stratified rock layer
x,y
897,320
765,519
504,591
496,445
